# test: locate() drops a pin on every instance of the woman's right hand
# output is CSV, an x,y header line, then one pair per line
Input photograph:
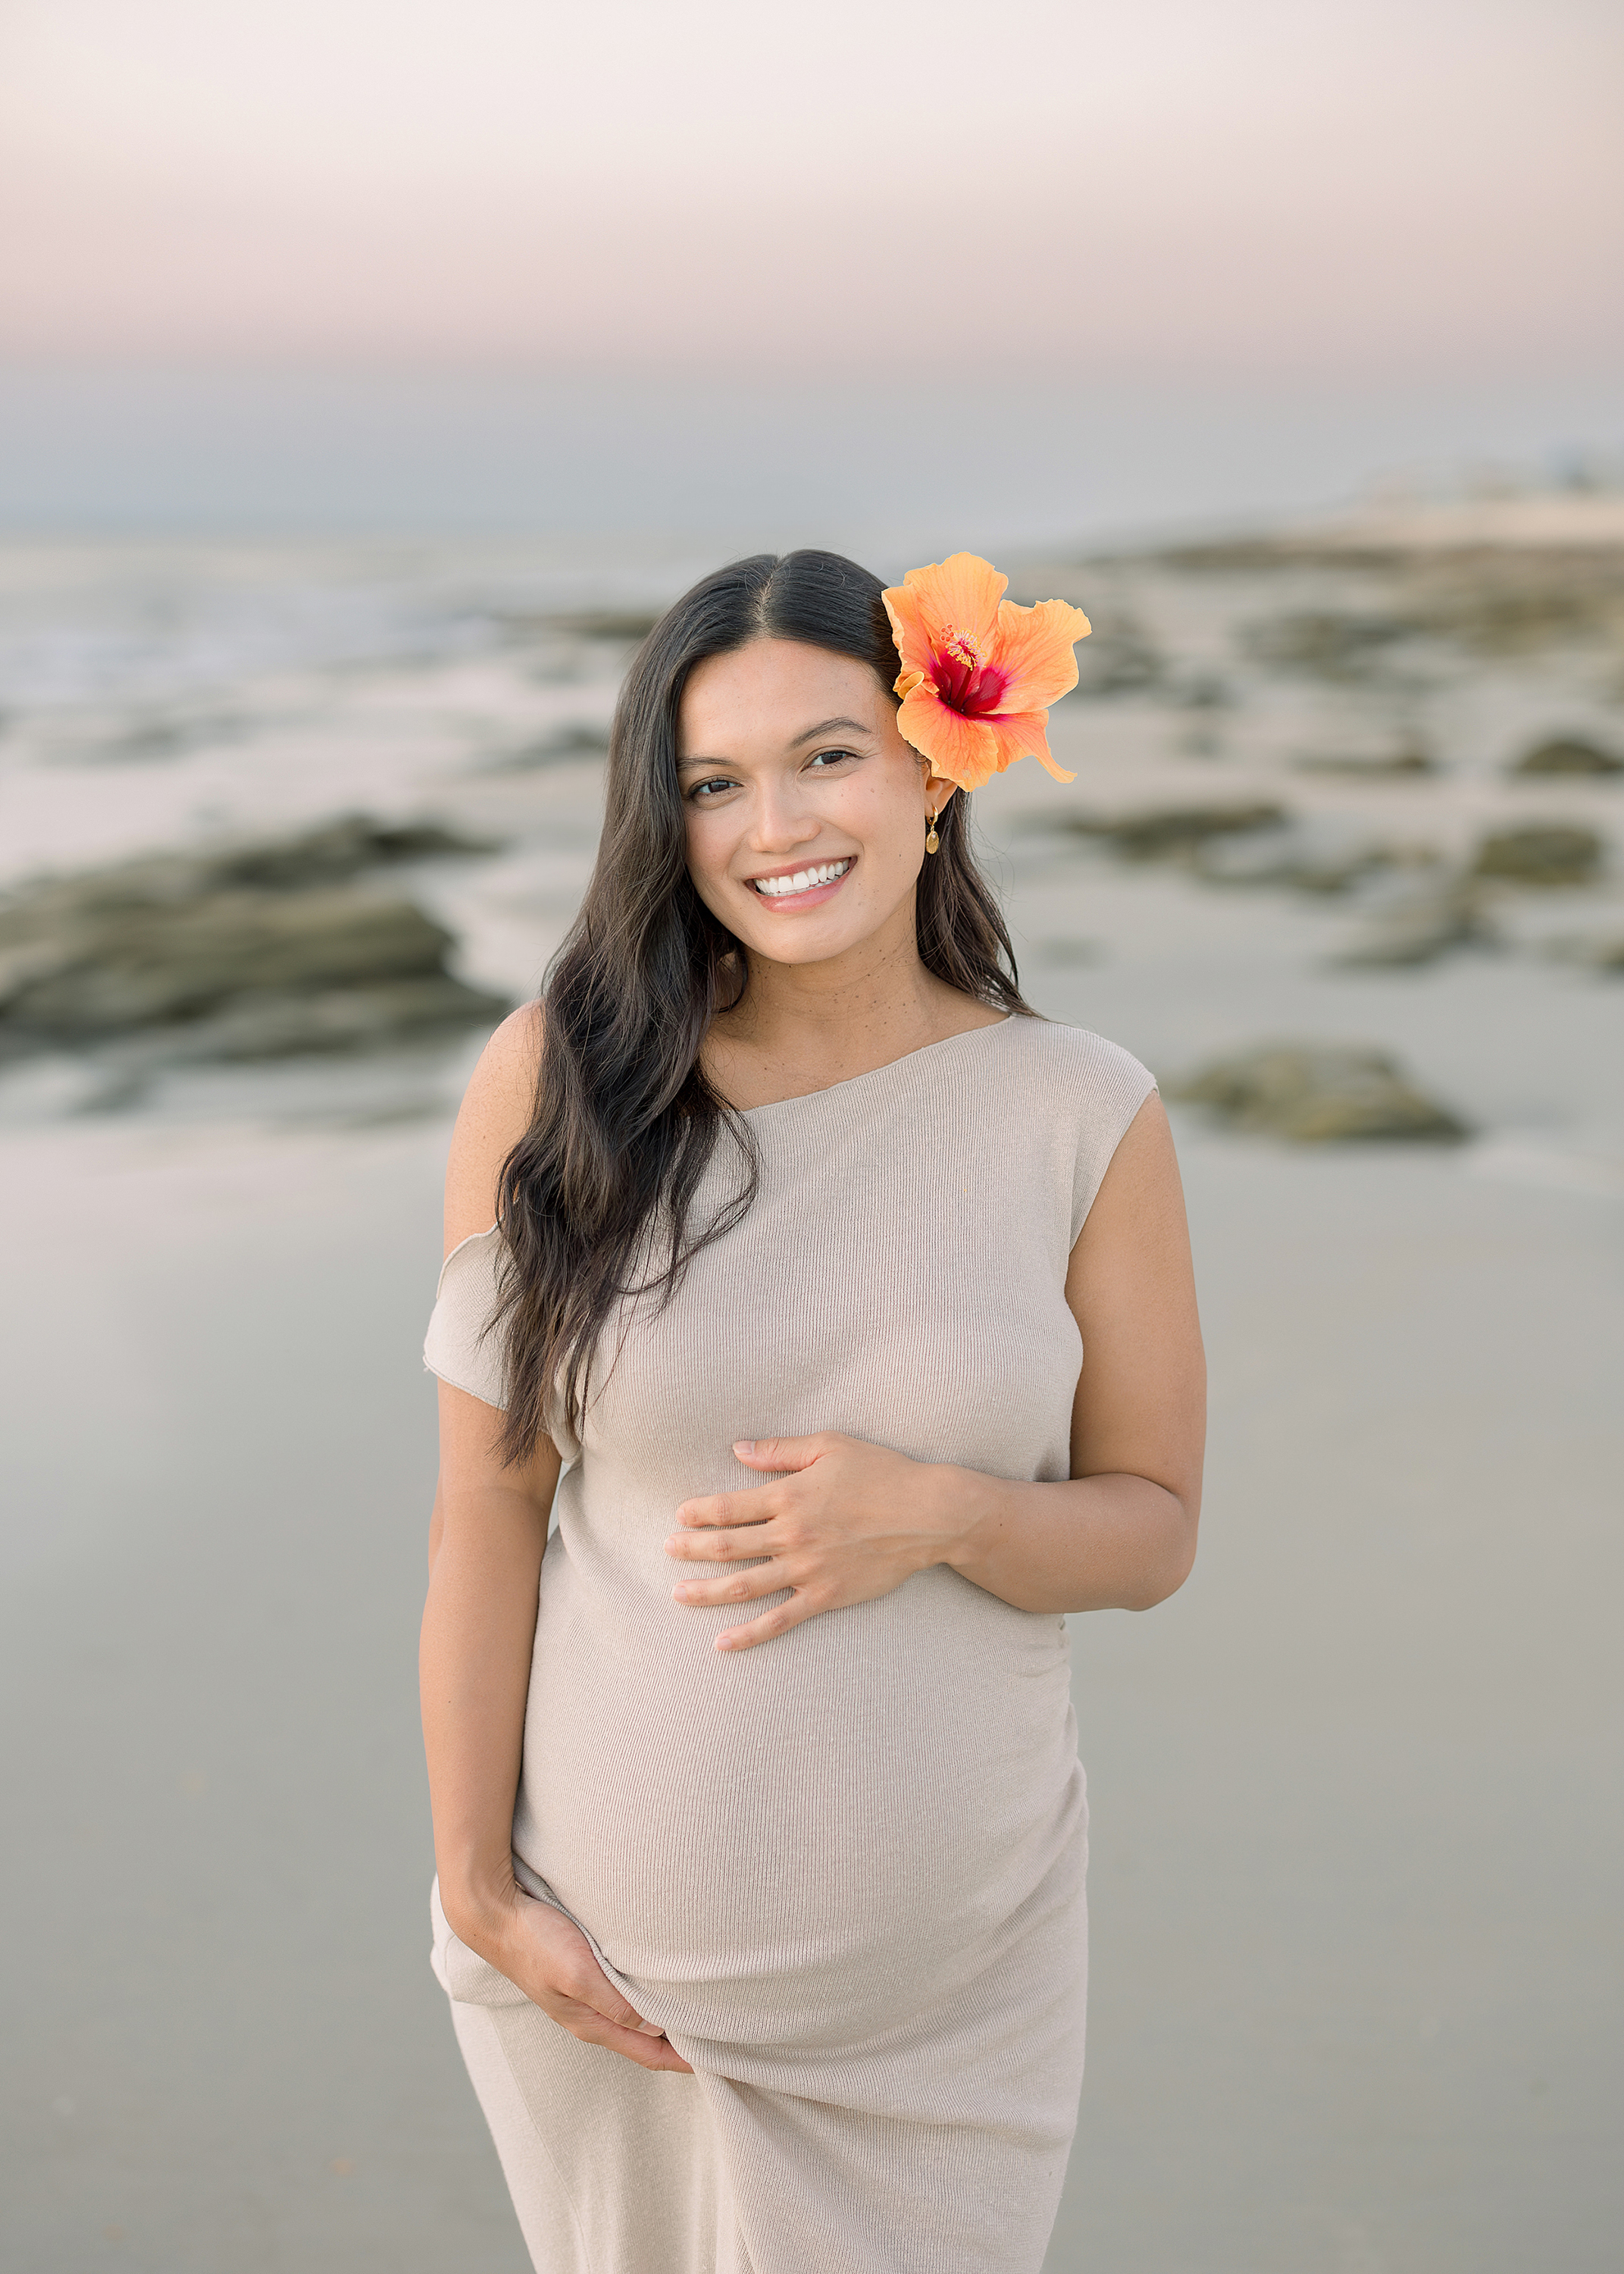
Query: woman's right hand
x,y
546,1955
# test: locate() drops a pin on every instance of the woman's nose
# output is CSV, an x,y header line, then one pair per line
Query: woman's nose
x,y
782,823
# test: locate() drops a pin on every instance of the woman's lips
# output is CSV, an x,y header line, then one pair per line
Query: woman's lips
x,y
822,878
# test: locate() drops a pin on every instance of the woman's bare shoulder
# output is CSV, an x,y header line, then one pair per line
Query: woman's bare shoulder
x,y
495,1114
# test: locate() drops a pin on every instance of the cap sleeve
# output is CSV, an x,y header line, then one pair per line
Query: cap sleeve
x,y
464,1346
1114,1088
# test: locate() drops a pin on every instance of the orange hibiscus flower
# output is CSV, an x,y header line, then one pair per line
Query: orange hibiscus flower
x,y
979,672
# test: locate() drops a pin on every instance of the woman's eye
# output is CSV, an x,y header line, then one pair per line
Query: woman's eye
x,y
717,782
830,757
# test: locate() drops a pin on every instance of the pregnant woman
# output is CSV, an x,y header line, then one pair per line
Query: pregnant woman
x,y
852,1301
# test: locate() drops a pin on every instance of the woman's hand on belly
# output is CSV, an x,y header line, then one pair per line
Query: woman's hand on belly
x,y
546,1955
842,1523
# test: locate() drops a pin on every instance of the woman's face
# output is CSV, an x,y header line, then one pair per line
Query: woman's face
x,y
806,809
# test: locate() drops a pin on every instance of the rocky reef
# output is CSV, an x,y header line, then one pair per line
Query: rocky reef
x,y
266,949
1167,833
1541,852
1415,901
1570,754
1318,1093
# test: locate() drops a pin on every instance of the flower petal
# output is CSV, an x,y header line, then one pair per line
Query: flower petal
x,y
1035,646
912,635
1023,734
960,594
966,750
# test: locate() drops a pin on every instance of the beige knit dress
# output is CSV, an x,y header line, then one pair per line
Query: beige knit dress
x,y
843,1870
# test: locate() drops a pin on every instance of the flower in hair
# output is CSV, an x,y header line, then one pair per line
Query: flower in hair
x,y
979,672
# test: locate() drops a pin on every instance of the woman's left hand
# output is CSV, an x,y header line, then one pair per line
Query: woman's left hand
x,y
845,1522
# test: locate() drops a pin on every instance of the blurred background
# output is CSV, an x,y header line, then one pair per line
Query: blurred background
x,y
369,378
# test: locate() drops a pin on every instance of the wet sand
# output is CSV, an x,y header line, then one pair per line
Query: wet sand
x,y
1356,1874
1356,1851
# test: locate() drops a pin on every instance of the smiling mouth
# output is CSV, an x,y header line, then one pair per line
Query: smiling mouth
x,y
812,879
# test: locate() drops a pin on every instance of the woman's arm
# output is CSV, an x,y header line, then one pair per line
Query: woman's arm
x,y
1121,1536
487,1540
855,1520
490,1532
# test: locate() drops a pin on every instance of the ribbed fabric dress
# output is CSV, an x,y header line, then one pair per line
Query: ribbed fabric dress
x,y
844,1871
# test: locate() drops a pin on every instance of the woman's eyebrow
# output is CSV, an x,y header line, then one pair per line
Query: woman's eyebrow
x,y
807,734
827,726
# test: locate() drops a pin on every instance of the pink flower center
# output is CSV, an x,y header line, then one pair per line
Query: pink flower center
x,y
964,682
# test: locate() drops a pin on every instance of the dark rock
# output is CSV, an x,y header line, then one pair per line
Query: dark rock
x,y
337,850
1319,643
1320,1093
626,626
1169,832
1201,690
1308,858
1543,852
1420,928
1518,599
121,966
380,1016
566,746
1118,657
1408,762
1568,755
234,953
1270,855
1506,600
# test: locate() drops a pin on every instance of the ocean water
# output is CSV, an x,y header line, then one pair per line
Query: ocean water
x,y
894,465
157,692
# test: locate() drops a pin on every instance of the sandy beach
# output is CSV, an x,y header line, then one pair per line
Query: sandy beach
x,y
1356,1976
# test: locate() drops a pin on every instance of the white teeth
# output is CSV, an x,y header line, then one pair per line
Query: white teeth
x,y
804,880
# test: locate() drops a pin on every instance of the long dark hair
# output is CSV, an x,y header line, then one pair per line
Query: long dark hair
x,y
594,1201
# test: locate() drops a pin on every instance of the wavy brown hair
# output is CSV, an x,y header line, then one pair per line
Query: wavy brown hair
x,y
596,1200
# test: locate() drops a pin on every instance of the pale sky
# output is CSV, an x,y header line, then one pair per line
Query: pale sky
x,y
1170,186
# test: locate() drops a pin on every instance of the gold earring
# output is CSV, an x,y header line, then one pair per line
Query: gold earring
x,y
933,843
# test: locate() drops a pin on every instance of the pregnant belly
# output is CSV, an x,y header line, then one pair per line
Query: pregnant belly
x,y
797,1841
